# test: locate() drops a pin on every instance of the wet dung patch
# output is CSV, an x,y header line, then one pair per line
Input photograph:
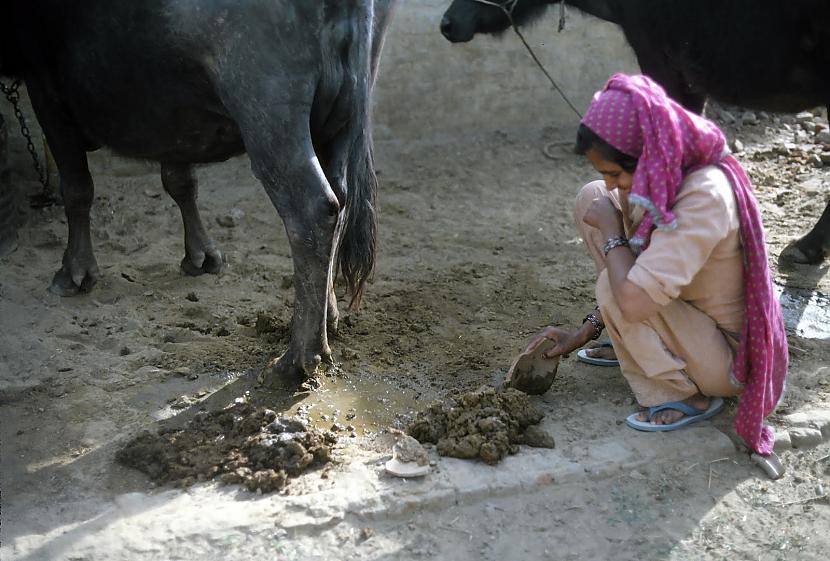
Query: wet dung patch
x,y
486,424
243,444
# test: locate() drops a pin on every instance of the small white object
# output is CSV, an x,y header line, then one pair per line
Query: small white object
x,y
405,469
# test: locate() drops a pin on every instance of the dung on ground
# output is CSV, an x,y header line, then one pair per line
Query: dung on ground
x,y
487,424
252,446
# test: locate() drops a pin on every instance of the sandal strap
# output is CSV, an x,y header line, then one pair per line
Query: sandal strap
x,y
687,410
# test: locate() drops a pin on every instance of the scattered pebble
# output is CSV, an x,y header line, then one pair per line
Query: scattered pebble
x,y
805,437
804,116
231,219
192,297
181,402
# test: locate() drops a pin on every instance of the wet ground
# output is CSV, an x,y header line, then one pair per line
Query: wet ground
x,y
477,252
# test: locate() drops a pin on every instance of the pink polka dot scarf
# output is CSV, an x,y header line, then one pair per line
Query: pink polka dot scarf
x,y
634,115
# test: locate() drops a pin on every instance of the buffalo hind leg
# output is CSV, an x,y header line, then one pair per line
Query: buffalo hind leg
x,y
309,209
200,253
79,269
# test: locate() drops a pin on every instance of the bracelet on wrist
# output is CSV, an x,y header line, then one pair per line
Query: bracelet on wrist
x,y
596,323
614,242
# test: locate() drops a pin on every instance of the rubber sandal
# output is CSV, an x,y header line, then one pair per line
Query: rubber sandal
x,y
582,356
692,415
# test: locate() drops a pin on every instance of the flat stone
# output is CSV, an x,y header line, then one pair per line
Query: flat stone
x,y
813,186
782,440
823,137
147,371
786,149
804,116
804,437
811,418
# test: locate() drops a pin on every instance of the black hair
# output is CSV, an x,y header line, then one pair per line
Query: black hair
x,y
586,139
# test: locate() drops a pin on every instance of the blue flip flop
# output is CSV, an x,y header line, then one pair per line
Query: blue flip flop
x,y
692,415
582,356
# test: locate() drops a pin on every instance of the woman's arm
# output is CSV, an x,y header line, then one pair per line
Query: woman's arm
x,y
634,302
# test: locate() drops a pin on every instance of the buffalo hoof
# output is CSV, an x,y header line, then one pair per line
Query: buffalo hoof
x,y
803,253
208,262
288,371
67,283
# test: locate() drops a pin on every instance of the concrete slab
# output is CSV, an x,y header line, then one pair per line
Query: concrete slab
x,y
146,525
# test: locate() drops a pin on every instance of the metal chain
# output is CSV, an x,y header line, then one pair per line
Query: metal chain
x,y
12,93
45,197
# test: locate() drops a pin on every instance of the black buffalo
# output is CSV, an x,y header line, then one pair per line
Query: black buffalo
x,y
762,54
186,82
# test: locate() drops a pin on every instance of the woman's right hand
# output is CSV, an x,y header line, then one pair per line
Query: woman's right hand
x,y
566,341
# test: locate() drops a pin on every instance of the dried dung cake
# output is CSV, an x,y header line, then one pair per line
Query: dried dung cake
x,y
487,424
242,444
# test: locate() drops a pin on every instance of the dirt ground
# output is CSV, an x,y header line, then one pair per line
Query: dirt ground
x,y
477,252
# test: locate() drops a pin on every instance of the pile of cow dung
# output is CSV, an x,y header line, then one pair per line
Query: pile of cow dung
x,y
242,444
487,424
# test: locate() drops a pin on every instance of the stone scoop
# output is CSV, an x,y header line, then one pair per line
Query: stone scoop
x,y
530,372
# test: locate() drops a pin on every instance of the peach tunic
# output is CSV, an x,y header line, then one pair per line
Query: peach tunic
x,y
695,272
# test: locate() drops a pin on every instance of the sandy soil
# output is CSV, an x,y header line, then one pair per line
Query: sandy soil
x,y
477,252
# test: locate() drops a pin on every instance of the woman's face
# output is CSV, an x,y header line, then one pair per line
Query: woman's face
x,y
615,176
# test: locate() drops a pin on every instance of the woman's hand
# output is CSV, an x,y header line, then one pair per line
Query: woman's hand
x,y
603,215
566,341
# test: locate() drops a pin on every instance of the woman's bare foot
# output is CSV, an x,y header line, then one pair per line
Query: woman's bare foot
x,y
669,416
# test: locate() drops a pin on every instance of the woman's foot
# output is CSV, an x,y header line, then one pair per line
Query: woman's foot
x,y
669,416
603,352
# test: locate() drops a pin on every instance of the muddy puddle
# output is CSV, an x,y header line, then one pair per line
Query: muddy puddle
x,y
807,313
349,405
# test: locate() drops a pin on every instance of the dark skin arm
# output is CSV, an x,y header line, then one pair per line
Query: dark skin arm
x,y
635,303
566,341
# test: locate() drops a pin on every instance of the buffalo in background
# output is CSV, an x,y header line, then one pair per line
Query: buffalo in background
x,y
761,54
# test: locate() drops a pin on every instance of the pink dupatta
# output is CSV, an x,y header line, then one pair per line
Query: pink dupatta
x,y
634,115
